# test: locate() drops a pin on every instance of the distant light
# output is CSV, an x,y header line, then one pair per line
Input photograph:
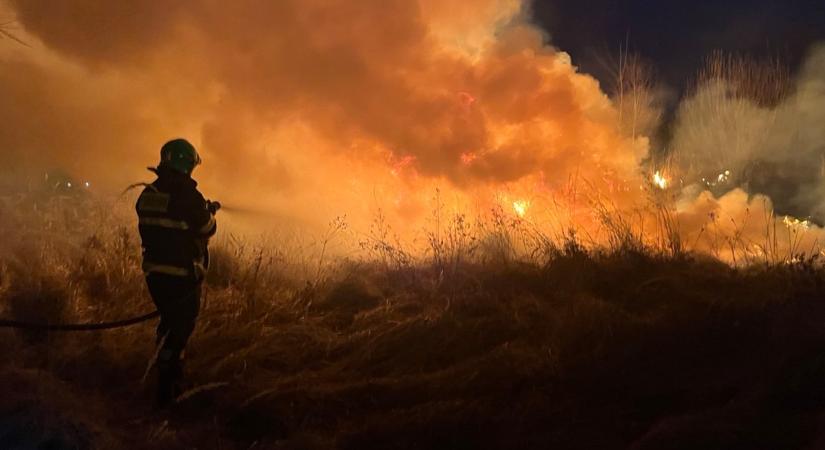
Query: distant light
x,y
87,184
69,184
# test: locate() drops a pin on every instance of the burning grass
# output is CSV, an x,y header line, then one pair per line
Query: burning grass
x,y
482,342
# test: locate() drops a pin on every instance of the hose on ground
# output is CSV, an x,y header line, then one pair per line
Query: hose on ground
x,y
77,326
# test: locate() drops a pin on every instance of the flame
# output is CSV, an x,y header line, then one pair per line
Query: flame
x,y
723,177
659,180
796,224
397,167
468,157
521,207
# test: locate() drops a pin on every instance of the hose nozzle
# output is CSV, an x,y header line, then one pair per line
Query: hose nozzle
x,y
212,206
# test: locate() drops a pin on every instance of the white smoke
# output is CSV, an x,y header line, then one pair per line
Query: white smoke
x,y
724,141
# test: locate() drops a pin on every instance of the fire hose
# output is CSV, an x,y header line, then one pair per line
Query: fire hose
x,y
40,326
77,326
4,323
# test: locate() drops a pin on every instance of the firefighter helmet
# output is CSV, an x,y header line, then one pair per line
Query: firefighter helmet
x,y
180,155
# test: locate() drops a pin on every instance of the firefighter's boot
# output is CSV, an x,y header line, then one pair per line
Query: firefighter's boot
x,y
170,373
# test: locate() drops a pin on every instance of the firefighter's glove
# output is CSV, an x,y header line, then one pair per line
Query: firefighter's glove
x,y
213,207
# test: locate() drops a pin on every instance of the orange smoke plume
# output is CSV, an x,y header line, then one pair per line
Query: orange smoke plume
x,y
349,105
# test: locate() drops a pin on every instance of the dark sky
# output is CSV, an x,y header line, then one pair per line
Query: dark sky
x,y
676,35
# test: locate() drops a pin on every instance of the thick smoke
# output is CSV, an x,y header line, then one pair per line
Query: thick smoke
x,y
311,105
317,108
725,141
748,157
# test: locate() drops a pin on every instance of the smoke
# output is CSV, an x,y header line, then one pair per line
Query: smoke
x,y
724,140
311,107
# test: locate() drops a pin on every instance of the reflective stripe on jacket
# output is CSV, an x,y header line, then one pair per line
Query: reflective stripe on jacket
x,y
175,226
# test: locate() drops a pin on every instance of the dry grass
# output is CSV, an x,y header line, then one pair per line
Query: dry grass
x,y
496,337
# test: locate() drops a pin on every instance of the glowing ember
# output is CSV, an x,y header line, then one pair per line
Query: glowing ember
x,y
723,177
466,99
521,207
467,158
659,180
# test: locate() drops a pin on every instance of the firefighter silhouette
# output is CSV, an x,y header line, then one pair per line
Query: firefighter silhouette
x,y
175,224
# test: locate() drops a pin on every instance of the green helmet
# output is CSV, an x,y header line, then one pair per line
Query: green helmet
x,y
180,155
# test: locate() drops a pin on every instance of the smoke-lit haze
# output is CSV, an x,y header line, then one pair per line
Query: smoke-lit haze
x,y
316,108
309,105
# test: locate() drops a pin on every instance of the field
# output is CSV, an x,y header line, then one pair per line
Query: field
x,y
472,345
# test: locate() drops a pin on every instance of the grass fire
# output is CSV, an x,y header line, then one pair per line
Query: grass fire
x,y
411,225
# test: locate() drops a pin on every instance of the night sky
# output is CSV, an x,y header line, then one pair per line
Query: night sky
x,y
675,35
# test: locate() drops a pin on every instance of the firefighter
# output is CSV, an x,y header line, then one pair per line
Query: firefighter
x,y
175,224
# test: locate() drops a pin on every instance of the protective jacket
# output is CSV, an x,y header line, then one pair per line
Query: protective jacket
x,y
175,225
